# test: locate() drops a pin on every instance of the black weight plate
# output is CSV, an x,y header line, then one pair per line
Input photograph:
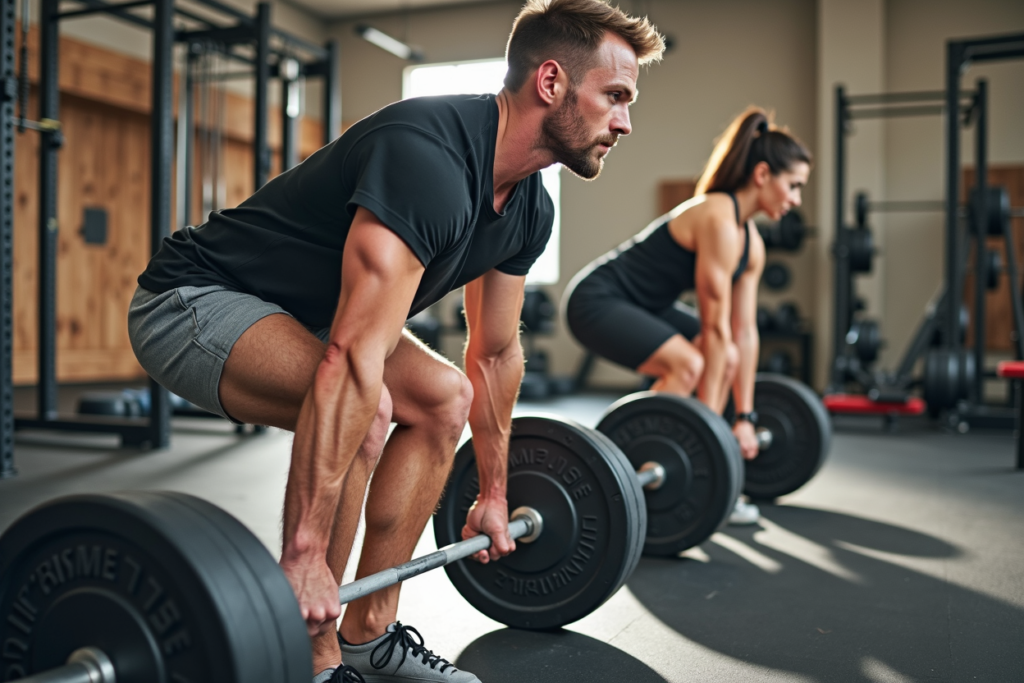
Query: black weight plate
x,y
142,578
260,574
703,468
776,276
634,500
560,469
801,437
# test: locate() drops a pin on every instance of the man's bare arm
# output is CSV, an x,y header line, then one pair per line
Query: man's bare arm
x,y
494,365
380,275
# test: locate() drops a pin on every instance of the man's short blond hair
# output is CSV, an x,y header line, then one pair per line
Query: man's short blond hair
x,y
570,32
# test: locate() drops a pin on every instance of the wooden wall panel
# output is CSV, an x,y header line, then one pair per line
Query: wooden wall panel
x,y
105,164
672,193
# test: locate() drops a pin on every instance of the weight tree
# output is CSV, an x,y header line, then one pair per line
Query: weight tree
x,y
271,54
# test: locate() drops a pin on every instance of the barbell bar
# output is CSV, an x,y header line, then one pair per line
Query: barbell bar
x,y
101,576
85,665
38,565
526,525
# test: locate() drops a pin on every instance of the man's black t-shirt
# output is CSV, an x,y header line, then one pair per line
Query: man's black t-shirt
x,y
423,167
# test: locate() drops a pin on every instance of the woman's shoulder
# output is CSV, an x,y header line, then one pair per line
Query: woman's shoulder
x,y
713,206
703,212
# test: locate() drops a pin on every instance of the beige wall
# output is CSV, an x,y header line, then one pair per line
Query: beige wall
x,y
684,103
850,53
914,156
786,55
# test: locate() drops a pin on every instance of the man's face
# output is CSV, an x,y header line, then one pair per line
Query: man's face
x,y
592,116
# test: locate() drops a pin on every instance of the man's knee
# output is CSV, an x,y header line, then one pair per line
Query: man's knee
x,y
373,444
442,405
453,412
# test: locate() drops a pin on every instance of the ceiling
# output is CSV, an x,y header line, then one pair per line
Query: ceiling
x,y
343,9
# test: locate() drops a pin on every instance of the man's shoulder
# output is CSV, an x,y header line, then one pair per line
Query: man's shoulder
x,y
442,116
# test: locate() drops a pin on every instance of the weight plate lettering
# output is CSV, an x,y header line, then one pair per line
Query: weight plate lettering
x,y
149,580
703,468
591,523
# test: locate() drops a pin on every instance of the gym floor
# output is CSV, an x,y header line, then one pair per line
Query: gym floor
x,y
903,560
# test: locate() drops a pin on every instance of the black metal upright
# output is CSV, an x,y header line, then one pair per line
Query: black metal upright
x,y
188,128
49,108
7,21
288,70
261,147
152,432
161,159
954,284
841,301
332,93
980,236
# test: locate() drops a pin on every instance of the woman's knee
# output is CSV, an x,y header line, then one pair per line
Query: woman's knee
x,y
691,368
732,361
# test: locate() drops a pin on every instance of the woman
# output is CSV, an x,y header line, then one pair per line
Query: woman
x,y
625,305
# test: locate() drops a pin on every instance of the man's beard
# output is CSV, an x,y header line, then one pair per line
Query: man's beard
x,y
565,135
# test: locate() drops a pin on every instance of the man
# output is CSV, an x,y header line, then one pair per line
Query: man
x,y
289,311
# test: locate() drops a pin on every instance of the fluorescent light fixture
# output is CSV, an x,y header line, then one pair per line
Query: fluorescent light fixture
x,y
386,42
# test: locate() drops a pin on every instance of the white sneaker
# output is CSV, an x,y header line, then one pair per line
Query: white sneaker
x,y
744,513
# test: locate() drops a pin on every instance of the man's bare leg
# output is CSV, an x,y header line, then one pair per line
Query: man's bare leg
x,y
265,380
677,364
326,653
431,401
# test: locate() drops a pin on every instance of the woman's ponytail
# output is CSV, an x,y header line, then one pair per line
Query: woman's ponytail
x,y
750,139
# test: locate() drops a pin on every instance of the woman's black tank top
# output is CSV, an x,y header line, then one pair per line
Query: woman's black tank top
x,y
652,269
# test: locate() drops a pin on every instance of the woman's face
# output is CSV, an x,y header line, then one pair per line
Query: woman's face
x,y
783,192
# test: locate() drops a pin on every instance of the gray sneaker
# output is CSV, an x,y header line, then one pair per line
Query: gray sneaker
x,y
399,656
343,674
744,513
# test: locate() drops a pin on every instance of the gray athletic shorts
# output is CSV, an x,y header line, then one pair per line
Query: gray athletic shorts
x,y
183,337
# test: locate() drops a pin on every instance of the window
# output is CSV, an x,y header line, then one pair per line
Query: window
x,y
486,76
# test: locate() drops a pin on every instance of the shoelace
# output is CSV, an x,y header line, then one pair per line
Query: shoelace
x,y
402,637
346,674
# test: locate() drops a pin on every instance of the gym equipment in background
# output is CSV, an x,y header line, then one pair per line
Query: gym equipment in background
x,y
953,378
266,53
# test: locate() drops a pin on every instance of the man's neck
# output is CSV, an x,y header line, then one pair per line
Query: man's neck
x,y
517,152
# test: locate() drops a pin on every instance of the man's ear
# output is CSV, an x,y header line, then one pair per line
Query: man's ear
x,y
549,81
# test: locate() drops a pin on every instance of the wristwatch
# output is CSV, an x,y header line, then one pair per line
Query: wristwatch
x,y
750,417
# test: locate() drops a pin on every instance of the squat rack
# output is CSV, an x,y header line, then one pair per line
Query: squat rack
x,y
944,318
960,54
854,248
272,54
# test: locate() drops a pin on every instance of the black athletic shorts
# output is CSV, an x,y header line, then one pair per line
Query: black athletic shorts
x,y
608,324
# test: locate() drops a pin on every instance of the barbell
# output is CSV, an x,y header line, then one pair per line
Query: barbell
x,y
149,586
